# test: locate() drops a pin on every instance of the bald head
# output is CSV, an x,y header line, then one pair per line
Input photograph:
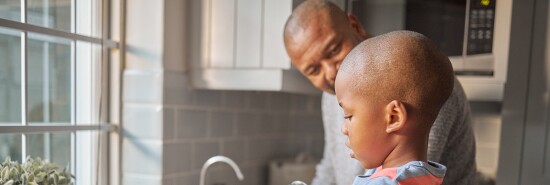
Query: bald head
x,y
402,65
310,11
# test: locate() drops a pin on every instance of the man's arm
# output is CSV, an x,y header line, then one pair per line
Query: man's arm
x,y
451,114
324,172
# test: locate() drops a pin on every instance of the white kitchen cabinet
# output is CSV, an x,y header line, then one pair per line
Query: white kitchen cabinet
x,y
241,47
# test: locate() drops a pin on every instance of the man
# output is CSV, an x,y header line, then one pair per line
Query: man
x,y
318,36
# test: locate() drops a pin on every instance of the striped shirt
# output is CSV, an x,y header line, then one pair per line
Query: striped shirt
x,y
412,173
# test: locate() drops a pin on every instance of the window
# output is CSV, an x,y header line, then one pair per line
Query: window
x,y
59,78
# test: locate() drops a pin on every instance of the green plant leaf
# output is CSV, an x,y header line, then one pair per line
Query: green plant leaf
x,y
5,173
33,172
10,182
31,177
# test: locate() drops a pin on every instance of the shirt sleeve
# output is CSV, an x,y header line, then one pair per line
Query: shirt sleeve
x,y
450,116
324,172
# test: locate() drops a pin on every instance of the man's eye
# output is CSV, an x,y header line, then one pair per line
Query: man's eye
x,y
334,51
314,71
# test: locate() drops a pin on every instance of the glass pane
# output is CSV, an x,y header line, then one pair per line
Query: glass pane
x,y
88,17
50,13
114,20
54,147
49,79
10,9
10,76
10,145
88,151
88,82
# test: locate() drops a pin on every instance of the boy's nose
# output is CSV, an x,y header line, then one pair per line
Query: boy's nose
x,y
345,129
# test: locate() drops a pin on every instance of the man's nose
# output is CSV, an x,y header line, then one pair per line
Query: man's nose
x,y
331,69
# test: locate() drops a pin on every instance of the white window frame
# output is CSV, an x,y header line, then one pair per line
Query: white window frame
x,y
111,42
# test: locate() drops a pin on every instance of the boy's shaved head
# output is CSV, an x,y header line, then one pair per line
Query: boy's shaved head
x,y
404,66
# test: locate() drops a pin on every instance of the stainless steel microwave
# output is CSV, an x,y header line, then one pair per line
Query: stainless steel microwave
x,y
466,30
474,34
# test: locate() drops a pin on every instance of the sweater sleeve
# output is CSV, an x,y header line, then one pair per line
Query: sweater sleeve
x,y
324,172
450,115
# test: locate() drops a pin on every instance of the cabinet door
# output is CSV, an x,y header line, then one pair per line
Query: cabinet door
x,y
222,33
249,29
275,14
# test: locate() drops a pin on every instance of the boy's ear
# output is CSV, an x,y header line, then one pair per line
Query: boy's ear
x,y
396,116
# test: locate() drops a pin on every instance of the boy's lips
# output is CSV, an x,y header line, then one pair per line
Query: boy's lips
x,y
351,154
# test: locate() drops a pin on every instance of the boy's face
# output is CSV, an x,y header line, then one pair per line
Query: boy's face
x,y
364,124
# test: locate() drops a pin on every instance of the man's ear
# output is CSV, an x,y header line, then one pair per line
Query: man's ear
x,y
395,116
357,27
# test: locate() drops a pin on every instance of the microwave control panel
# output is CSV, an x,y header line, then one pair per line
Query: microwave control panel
x,y
481,26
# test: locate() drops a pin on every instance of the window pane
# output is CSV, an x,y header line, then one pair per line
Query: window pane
x,y
88,17
10,76
10,145
49,79
10,9
88,82
54,147
88,153
50,13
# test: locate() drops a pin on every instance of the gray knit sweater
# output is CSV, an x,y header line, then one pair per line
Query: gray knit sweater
x,y
451,143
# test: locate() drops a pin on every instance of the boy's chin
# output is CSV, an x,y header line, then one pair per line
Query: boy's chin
x,y
368,165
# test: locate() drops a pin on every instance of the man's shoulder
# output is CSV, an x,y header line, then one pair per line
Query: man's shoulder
x,y
457,99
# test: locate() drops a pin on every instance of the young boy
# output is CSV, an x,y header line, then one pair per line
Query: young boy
x,y
391,88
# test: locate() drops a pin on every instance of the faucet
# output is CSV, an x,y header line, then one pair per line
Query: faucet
x,y
224,159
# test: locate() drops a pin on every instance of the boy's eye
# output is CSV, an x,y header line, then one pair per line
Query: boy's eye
x,y
348,118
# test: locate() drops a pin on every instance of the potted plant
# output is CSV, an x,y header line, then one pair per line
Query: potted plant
x,y
33,172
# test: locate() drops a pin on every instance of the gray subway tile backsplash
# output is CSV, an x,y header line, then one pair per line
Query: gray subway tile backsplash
x,y
221,124
169,123
143,121
256,100
202,150
142,86
234,99
132,179
207,98
234,149
192,125
142,157
247,123
180,162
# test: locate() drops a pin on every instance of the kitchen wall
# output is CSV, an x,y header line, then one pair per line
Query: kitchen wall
x,y
170,140
170,129
252,128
